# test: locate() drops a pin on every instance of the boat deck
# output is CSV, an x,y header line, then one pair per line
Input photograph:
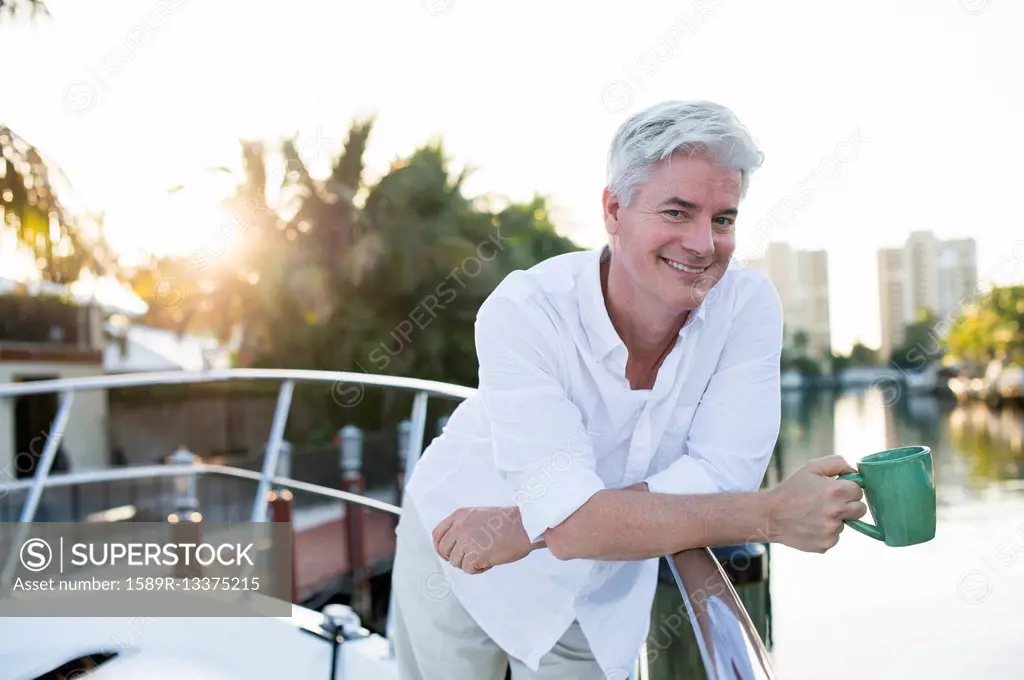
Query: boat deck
x,y
183,490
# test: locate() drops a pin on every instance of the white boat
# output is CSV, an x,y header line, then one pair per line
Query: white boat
x,y
332,643
792,380
924,381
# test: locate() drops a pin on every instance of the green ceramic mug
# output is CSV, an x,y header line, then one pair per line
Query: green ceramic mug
x,y
899,487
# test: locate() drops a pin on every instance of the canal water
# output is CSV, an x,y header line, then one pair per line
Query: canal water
x,y
950,608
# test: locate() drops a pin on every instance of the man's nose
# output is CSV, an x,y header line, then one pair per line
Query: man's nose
x,y
699,240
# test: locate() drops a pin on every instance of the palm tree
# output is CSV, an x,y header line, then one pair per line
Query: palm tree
x,y
335,274
13,8
222,288
29,198
284,272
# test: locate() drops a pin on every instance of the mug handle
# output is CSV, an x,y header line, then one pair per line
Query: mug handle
x,y
863,527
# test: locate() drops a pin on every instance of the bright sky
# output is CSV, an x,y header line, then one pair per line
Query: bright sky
x,y
895,116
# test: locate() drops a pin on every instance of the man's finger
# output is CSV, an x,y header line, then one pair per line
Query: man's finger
x,y
447,543
830,466
851,490
854,510
470,560
440,530
457,556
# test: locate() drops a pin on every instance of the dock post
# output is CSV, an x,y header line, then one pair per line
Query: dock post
x,y
280,501
185,520
352,481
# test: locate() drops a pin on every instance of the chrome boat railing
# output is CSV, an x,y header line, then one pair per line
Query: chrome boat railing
x,y
730,646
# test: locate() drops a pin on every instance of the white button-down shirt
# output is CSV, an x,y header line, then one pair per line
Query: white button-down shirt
x,y
554,421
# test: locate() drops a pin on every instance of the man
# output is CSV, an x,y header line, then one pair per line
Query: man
x,y
628,405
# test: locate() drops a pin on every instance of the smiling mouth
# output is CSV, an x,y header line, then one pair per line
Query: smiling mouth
x,y
686,268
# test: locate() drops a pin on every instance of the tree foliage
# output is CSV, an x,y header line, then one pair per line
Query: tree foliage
x,y
322,273
801,340
992,328
342,274
61,244
862,355
17,8
922,344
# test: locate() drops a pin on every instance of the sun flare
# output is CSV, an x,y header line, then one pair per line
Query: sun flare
x,y
181,224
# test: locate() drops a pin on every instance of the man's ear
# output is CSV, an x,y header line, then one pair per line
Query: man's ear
x,y
610,207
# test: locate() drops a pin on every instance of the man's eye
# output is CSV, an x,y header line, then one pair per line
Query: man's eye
x,y
725,221
675,213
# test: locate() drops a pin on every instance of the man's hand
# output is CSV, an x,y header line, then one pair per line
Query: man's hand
x,y
809,507
476,539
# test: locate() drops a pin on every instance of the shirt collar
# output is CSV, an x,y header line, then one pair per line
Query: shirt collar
x,y
597,324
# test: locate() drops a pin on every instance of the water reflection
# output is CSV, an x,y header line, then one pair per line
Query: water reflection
x,y
978,451
935,610
990,441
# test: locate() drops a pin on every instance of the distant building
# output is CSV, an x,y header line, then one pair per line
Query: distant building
x,y
47,332
43,336
801,277
925,273
138,349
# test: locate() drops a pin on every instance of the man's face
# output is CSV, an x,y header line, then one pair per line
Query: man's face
x,y
677,235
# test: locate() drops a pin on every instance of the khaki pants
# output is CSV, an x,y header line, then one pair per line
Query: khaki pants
x,y
435,637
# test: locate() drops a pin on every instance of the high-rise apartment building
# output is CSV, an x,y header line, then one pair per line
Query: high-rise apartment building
x,y
801,277
925,273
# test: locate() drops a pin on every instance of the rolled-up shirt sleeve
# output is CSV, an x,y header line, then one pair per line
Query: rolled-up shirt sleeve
x,y
736,424
541,446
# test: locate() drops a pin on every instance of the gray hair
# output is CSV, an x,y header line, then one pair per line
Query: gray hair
x,y
654,134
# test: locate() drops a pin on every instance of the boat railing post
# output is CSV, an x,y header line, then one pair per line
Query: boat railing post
x,y
353,481
404,428
416,431
185,520
35,493
45,462
186,485
284,403
404,442
410,446
284,459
